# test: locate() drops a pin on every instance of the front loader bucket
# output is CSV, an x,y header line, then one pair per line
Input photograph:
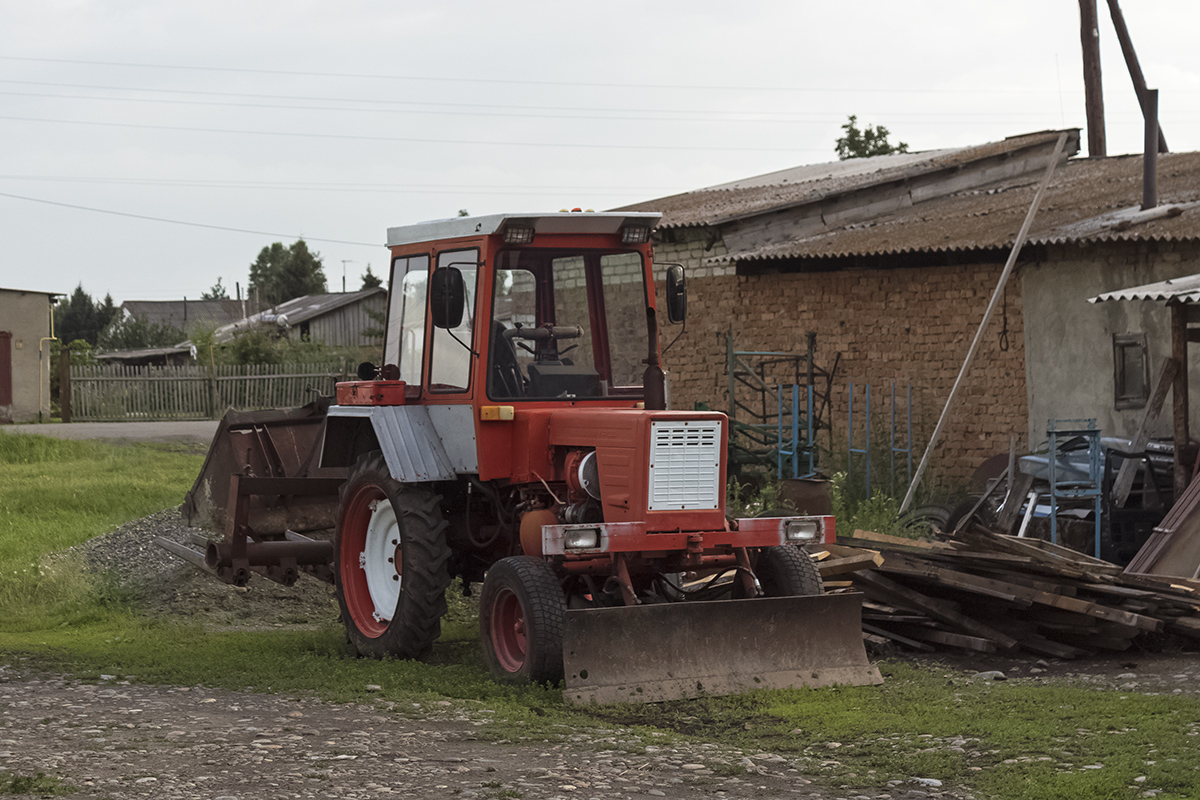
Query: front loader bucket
x,y
282,443
650,653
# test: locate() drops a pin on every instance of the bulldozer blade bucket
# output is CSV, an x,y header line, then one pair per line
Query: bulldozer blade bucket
x,y
275,443
650,653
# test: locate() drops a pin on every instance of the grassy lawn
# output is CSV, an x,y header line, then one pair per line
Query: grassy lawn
x,y
1016,739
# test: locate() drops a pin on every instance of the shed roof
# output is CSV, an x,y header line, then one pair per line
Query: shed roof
x,y
186,315
1088,200
965,199
802,185
300,309
1180,290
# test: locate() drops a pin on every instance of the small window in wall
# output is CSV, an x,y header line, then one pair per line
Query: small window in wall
x,y
1131,370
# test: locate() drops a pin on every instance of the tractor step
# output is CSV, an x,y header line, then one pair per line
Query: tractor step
x,y
671,651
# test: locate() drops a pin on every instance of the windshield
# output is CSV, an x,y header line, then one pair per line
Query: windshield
x,y
567,324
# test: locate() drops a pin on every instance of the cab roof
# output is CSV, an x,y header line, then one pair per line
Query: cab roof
x,y
581,222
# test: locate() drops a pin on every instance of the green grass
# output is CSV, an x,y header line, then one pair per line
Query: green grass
x,y
55,494
1016,739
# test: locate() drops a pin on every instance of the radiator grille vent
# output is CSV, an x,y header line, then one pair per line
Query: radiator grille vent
x,y
685,465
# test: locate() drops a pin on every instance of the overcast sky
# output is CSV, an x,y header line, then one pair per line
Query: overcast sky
x,y
264,121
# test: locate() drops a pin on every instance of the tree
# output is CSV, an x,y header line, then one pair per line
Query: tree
x,y
284,273
134,334
870,141
78,318
370,279
217,292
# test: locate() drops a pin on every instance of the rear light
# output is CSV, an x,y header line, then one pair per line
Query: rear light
x,y
803,531
518,234
632,234
581,538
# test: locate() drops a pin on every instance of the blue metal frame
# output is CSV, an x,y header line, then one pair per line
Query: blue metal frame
x,y
1074,489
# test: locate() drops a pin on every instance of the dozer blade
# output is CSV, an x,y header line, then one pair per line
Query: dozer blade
x,y
646,654
283,443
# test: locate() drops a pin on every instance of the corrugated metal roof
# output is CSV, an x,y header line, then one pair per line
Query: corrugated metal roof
x,y
1089,200
812,183
186,315
1182,290
300,309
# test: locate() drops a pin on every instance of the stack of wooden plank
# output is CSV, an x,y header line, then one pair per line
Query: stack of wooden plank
x,y
989,592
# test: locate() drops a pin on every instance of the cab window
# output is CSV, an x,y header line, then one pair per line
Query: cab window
x,y
450,365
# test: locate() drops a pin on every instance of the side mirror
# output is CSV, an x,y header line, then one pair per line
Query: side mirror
x,y
676,295
447,297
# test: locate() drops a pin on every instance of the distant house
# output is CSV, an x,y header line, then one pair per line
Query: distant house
x,y
890,261
187,316
338,319
25,336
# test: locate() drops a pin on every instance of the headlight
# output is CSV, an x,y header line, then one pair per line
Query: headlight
x,y
581,538
803,531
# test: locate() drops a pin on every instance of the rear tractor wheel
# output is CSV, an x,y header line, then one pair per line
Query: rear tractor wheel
x,y
522,613
391,562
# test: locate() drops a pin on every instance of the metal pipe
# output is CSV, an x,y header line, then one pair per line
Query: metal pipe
x,y
1150,161
987,315
261,554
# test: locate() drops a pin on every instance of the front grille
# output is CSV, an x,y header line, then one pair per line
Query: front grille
x,y
685,465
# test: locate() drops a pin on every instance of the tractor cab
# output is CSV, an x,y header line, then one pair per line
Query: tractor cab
x,y
525,308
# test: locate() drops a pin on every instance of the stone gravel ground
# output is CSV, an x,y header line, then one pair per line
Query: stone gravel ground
x,y
116,739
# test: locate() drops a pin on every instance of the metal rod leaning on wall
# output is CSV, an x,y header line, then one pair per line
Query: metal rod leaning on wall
x,y
987,315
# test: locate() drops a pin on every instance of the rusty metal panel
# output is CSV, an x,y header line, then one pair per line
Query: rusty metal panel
x,y
646,654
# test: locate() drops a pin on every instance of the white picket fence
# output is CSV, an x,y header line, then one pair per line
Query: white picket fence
x,y
113,392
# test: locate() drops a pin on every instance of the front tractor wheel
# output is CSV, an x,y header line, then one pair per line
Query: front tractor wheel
x,y
522,614
391,563
788,571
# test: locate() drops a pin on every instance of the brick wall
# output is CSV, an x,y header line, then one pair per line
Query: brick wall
x,y
905,325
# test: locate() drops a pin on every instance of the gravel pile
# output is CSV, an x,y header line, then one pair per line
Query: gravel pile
x,y
167,586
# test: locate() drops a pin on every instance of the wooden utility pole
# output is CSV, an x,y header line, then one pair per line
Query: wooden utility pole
x,y
1093,89
1131,61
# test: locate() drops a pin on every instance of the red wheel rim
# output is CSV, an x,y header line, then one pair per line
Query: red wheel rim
x,y
359,604
508,631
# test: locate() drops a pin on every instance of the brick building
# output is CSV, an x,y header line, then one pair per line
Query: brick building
x,y
891,261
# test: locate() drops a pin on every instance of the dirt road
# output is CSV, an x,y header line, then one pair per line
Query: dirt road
x,y
190,431
117,740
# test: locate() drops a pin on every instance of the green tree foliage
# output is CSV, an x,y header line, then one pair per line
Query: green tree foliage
x,y
284,273
870,141
217,292
370,279
80,317
134,334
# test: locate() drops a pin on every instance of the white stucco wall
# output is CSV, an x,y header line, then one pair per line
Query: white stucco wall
x,y
27,316
1069,342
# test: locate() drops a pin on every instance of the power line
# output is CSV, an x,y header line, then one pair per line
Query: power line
x,y
377,188
184,222
507,108
507,81
412,140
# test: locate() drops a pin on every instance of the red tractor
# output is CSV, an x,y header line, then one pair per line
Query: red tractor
x,y
517,435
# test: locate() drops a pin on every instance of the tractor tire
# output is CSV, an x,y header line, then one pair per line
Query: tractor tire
x,y
522,614
788,571
390,562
